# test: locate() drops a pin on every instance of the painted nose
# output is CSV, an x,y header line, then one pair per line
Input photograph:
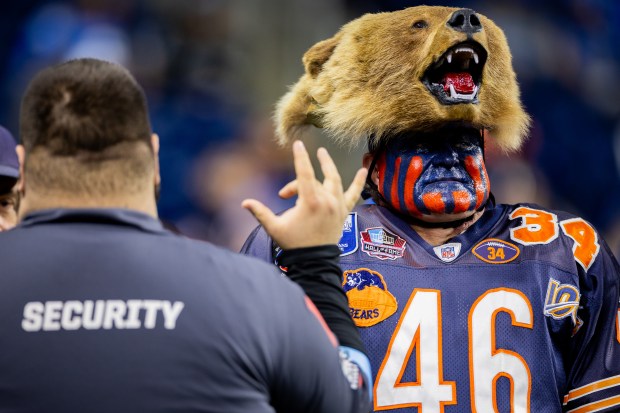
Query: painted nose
x,y
447,156
466,21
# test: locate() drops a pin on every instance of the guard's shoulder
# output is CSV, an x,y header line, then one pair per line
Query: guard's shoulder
x,y
216,258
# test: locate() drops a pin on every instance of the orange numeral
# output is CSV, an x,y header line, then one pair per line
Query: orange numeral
x,y
539,227
586,246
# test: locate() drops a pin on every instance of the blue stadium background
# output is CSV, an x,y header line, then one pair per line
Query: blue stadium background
x,y
213,69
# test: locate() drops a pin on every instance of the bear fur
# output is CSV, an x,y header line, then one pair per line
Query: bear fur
x,y
367,81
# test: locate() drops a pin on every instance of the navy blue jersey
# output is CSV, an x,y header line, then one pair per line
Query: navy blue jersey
x,y
517,314
104,310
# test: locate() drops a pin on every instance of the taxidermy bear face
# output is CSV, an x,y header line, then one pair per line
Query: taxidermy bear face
x,y
408,71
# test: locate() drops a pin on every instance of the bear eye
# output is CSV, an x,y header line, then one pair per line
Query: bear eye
x,y
420,24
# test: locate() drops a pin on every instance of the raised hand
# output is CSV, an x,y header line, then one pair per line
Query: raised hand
x,y
321,208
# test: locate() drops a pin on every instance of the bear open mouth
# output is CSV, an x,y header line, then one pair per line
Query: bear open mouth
x,y
457,74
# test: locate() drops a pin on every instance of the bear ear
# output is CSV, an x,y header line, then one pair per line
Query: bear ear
x,y
298,109
317,55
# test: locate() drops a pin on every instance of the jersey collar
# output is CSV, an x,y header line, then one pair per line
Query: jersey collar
x,y
112,216
476,232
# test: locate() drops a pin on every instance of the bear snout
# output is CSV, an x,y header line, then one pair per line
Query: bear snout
x,y
466,21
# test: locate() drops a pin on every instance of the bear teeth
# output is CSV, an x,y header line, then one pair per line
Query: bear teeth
x,y
465,50
455,95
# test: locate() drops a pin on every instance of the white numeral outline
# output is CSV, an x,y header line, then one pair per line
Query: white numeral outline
x,y
487,363
420,328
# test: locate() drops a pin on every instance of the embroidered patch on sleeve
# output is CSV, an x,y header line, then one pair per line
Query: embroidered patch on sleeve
x,y
348,241
562,301
382,244
370,302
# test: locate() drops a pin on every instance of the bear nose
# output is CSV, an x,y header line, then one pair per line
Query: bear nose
x,y
466,21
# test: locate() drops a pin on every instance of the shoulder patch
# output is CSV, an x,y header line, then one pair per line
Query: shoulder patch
x,y
562,301
380,243
370,302
496,251
348,241
276,254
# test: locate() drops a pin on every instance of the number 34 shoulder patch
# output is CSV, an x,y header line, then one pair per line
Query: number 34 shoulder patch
x,y
496,251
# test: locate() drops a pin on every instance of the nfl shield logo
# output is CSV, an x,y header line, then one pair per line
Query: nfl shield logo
x,y
448,252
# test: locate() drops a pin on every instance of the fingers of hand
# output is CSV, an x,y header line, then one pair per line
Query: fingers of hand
x,y
263,214
289,190
354,191
303,170
332,182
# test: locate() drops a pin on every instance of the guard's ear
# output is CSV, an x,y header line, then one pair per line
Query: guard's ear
x,y
155,147
317,55
21,157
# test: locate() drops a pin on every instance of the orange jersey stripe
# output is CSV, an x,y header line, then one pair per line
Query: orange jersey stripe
x,y
597,406
591,388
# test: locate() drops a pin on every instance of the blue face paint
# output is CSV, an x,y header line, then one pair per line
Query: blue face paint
x,y
442,173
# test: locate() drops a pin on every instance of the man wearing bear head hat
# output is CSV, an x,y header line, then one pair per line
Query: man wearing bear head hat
x,y
464,305
9,174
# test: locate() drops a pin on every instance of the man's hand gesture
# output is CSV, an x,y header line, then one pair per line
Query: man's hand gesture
x,y
321,208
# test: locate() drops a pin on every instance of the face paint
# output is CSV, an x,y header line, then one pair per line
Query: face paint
x,y
439,174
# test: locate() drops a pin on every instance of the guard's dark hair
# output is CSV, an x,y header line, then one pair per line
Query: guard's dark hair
x,y
83,105
85,119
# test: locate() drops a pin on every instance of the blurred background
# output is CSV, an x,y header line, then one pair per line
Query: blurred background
x,y
213,69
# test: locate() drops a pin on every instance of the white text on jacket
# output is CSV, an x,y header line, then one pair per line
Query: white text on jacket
x,y
100,314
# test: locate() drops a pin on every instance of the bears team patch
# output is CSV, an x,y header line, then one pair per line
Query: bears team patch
x,y
370,302
496,251
380,243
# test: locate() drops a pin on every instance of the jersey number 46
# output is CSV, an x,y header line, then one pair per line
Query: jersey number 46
x,y
419,329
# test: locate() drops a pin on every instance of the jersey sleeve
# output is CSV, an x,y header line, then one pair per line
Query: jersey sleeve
x,y
316,278
313,375
258,245
317,271
594,377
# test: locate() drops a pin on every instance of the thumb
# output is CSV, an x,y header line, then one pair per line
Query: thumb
x,y
262,214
